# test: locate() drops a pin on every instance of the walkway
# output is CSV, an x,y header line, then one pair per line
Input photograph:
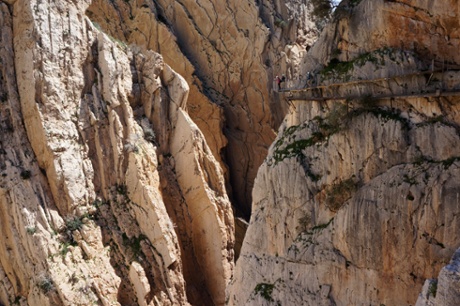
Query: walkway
x,y
412,85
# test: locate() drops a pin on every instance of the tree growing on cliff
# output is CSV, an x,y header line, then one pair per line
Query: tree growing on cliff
x,y
322,11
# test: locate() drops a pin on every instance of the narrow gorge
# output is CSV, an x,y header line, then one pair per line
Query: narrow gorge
x,y
149,157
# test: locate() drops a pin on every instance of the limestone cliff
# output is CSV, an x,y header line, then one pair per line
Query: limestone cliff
x,y
126,128
444,290
229,53
357,202
109,192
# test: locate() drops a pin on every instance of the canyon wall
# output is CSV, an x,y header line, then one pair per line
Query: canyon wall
x,y
370,208
229,53
109,191
128,127
132,133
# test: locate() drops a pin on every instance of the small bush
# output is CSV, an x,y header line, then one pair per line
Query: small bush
x,y
65,248
149,135
31,230
4,97
383,114
304,223
433,288
264,290
367,101
26,174
122,189
135,244
73,279
73,223
45,283
327,126
321,226
280,23
321,9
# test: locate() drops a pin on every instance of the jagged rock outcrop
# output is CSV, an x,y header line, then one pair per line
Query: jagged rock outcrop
x,y
108,188
229,53
357,201
445,290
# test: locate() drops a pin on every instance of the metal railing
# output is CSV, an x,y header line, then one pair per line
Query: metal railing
x,y
429,83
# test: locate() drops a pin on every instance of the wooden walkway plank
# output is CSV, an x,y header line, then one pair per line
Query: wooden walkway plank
x,y
317,93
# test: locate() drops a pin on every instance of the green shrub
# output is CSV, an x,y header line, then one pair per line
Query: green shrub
x,y
304,222
280,23
65,248
73,223
433,288
45,283
337,69
26,174
134,243
31,230
122,189
265,290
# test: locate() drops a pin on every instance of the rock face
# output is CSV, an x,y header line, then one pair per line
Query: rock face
x,y
109,192
445,290
369,210
125,127
426,28
229,53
